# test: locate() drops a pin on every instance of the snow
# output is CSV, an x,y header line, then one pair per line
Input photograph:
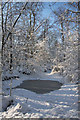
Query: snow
x,y
6,100
62,103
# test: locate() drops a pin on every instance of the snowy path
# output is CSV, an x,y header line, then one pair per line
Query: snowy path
x,y
60,103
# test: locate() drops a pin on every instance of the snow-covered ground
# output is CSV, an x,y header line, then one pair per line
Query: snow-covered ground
x,y
62,103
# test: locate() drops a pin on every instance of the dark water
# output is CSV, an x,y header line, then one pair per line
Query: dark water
x,y
40,86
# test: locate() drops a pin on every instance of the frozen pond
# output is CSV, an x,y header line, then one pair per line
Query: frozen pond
x,y
40,86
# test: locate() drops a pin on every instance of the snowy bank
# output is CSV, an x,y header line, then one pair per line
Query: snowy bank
x,y
62,103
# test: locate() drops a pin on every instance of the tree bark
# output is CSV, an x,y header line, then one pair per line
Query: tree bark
x,y
2,50
11,39
62,31
34,21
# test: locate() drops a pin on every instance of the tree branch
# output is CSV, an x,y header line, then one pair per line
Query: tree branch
x,y
73,11
15,23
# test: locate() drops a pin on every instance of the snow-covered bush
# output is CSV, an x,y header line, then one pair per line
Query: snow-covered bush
x,y
70,60
43,55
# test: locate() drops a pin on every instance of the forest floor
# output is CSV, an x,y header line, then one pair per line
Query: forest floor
x,y
61,103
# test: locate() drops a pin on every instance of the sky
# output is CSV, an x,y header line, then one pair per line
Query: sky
x,y
47,10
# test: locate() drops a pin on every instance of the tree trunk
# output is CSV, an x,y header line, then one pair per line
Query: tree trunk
x,y
30,25
44,33
62,31
11,40
2,51
11,56
34,21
